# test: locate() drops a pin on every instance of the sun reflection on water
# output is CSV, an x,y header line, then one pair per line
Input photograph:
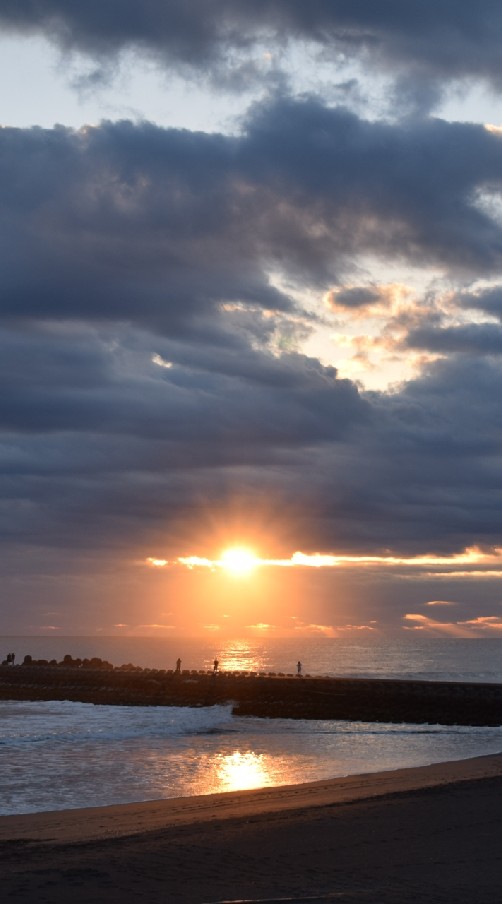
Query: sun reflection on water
x,y
237,656
237,770
242,771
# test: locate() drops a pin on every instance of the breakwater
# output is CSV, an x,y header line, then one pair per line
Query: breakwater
x,y
268,695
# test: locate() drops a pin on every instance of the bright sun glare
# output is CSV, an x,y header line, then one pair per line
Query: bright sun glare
x,y
239,561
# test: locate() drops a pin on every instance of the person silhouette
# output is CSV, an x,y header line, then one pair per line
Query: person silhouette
x,y
298,668
215,665
178,665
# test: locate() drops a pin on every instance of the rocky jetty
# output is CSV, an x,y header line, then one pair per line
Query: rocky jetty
x,y
271,695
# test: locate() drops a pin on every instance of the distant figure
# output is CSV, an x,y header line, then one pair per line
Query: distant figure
x,y
215,665
178,665
298,668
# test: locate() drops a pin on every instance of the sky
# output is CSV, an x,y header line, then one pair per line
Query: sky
x,y
251,258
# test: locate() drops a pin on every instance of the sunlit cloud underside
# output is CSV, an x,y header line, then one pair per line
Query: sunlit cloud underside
x,y
471,562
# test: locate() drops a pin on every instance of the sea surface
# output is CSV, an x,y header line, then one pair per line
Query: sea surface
x,y
61,755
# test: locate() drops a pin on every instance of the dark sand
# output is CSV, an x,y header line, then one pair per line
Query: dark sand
x,y
416,835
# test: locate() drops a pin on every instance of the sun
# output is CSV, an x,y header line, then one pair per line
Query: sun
x,y
239,561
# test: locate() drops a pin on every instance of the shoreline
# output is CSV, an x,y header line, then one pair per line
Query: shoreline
x,y
424,834
85,824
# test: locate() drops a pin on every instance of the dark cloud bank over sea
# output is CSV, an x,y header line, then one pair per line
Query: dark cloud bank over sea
x,y
152,361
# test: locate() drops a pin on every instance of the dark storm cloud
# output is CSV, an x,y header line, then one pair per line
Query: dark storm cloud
x,y
481,339
449,39
99,445
159,227
357,297
130,451
408,190
122,222
487,300
428,473
81,382
136,379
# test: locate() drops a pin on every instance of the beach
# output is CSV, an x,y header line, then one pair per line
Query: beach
x,y
426,834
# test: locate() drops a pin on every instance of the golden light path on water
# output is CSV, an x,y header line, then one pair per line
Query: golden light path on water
x,y
232,770
243,771
239,656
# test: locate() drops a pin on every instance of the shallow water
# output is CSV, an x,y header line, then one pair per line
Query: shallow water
x,y
58,755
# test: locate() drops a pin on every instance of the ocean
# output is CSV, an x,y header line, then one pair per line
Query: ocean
x,y
61,755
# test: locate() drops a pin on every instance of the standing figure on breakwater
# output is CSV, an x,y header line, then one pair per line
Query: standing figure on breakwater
x,y
298,668
215,665
178,666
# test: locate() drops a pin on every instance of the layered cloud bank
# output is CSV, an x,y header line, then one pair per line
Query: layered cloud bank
x,y
288,334
427,37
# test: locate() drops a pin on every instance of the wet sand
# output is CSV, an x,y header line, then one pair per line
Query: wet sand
x,y
414,835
